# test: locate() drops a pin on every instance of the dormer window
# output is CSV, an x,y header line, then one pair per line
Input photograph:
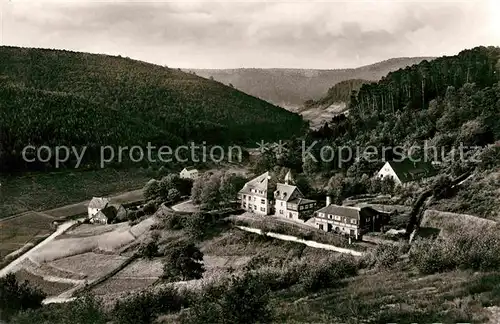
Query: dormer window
x,y
284,195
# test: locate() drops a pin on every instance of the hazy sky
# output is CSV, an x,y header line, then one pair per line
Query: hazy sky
x,y
295,34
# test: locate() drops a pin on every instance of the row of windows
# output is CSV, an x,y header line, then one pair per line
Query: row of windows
x,y
306,206
257,191
339,218
263,209
337,229
262,201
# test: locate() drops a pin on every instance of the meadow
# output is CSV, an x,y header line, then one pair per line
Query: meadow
x,y
43,191
29,228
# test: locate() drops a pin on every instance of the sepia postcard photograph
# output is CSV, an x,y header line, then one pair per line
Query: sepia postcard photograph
x,y
253,161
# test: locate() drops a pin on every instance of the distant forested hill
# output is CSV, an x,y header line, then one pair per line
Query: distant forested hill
x,y
290,88
65,98
341,92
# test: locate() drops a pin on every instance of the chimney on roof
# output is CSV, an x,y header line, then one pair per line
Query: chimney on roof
x,y
328,200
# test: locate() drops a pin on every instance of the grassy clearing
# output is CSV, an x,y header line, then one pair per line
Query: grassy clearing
x,y
17,232
450,222
86,230
239,243
312,234
120,285
92,265
141,269
48,287
42,191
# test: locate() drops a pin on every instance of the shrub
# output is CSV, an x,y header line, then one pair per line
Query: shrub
x,y
184,261
173,221
195,225
84,310
144,307
132,215
441,188
15,296
329,273
173,195
387,255
151,190
149,250
240,300
150,208
286,277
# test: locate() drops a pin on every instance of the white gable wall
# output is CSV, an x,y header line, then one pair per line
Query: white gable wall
x,y
93,211
387,171
255,204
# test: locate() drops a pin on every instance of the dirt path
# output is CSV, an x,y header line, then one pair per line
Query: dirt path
x,y
310,243
186,206
12,267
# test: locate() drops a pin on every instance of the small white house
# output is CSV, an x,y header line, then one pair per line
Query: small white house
x,y
189,173
407,171
96,205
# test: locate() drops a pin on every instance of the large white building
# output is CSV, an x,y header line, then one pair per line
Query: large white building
x,y
254,196
290,202
286,201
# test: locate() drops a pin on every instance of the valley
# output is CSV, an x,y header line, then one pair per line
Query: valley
x,y
290,88
279,237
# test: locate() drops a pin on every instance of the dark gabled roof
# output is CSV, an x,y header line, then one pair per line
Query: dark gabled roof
x,y
190,168
345,211
109,212
285,191
259,183
408,170
301,201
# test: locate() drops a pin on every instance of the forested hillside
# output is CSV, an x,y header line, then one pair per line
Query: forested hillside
x,y
454,98
65,98
446,102
450,100
341,92
290,88
446,111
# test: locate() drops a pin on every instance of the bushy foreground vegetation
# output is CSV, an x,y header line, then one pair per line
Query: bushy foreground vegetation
x,y
379,287
244,297
477,249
